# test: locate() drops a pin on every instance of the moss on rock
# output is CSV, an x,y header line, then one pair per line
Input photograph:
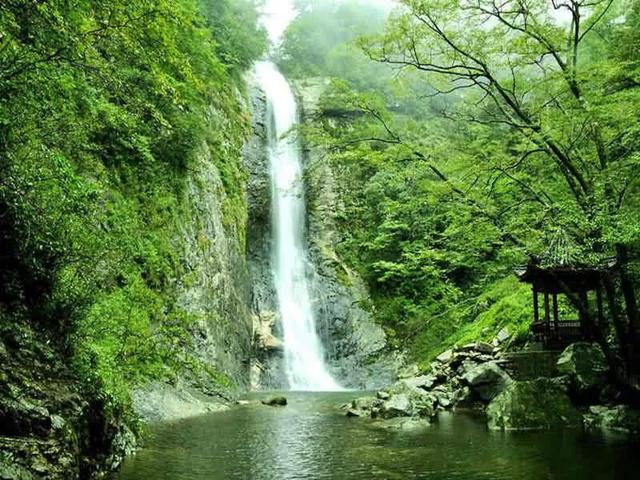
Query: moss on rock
x,y
532,405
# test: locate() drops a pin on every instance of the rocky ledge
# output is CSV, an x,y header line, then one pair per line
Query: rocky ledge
x,y
476,377
49,427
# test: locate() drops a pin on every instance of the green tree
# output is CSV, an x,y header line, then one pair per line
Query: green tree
x,y
553,90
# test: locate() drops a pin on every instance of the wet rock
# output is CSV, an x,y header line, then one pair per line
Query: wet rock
x,y
352,412
363,407
398,405
487,380
586,365
382,395
532,405
278,401
424,381
363,403
263,327
405,424
620,418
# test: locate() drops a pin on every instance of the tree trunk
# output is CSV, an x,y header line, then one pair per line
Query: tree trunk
x,y
621,332
630,301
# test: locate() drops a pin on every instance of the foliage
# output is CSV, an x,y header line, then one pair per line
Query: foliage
x,y
105,106
479,151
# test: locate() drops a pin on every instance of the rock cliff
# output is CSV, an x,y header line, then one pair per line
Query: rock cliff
x,y
214,288
356,344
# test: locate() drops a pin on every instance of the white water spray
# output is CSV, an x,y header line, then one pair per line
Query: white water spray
x,y
303,353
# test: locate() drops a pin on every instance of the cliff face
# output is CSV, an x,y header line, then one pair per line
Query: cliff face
x,y
213,286
266,365
357,345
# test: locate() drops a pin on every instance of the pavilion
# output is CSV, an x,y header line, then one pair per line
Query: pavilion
x,y
558,273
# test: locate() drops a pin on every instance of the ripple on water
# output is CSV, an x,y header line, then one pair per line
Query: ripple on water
x,y
312,439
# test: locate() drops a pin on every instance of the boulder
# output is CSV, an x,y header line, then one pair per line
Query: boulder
x,y
425,381
586,366
442,372
445,357
363,407
404,386
425,406
442,396
619,418
278,401
461,396
363,403
484,347
532,405
382,395
410,371
465,367
398,405
487,380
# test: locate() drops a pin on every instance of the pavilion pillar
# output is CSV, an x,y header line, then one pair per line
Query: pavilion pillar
x,y
547,315
600,307
585,320
556,320
536,306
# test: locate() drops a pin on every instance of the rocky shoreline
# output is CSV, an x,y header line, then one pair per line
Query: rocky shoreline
x,y
476,377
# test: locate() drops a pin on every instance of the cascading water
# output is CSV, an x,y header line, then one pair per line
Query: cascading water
x,y
303,353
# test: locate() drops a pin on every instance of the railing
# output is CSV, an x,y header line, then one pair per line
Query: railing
x,y
566,330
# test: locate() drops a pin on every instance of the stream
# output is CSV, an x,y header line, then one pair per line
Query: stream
x,y
312,439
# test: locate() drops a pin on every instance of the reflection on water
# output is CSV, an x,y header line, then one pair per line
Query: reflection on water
x,y
311,439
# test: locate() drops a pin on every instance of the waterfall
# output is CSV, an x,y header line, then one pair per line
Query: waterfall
x,y
303,353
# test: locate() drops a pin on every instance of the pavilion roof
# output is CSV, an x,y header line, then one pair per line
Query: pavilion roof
x,y
563,263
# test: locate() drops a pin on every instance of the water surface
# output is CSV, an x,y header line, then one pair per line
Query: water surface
x,y
311,439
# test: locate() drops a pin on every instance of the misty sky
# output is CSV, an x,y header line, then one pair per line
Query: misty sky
x,y
277,14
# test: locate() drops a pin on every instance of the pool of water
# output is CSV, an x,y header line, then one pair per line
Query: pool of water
x,y
312,439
